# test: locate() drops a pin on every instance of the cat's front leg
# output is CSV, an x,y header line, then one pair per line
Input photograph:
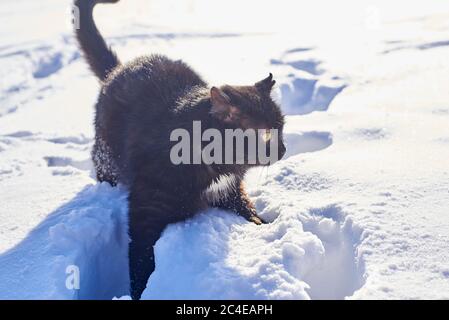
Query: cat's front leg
x,y
238,201
148,216
247,209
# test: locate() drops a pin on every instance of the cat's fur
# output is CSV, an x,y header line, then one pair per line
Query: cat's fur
x,y
139,104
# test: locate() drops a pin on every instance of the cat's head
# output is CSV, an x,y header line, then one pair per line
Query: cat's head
x,y
251,107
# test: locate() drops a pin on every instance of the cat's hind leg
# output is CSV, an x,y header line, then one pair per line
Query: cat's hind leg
x,y
105,169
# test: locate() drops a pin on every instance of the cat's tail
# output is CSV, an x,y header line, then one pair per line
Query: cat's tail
x,y
102,60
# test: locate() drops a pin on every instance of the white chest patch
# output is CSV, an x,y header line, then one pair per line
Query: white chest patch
x,y
217,190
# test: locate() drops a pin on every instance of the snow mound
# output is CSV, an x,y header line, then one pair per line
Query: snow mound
x,y
294,257
209,258
86,237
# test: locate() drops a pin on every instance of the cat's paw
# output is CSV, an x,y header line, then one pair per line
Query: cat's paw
x,y
257,220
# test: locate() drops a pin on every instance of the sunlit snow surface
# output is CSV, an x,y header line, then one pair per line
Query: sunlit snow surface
x,y
359,207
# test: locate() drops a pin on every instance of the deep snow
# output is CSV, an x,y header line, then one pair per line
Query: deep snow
x,y
358,207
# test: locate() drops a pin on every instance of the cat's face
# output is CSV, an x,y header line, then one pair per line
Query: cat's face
x,y
251,107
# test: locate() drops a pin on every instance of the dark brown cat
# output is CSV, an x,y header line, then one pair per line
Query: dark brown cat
x,y
139,105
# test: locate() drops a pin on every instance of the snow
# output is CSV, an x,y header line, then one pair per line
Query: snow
x,y
358,208
73,235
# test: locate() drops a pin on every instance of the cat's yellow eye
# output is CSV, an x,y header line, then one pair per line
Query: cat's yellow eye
x,y
266,136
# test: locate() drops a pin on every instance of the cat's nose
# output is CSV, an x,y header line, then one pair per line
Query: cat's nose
x,y
282,151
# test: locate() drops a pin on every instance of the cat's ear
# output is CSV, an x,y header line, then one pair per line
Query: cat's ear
x,y
222,107
265,85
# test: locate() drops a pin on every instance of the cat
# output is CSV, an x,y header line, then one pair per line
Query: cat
x,y
139,104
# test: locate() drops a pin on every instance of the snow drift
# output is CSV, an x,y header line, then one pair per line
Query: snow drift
x,y
88,233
